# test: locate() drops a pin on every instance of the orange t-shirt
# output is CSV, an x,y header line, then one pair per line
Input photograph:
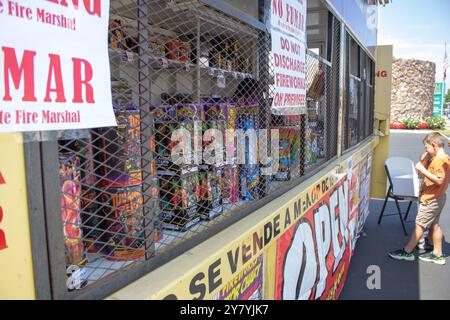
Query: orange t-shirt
x,y
439,166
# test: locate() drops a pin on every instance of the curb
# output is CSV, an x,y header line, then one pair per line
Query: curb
x,y
411,131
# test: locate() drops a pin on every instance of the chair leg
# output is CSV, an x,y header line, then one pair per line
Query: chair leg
x,y
400,215
407,211
384,207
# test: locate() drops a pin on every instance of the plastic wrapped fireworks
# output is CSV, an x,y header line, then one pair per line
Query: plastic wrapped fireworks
x,y
179,197
215,119
70,175
284,167
230,112
230,185
80,142
249,172
164,125
210,192
76,258
289,153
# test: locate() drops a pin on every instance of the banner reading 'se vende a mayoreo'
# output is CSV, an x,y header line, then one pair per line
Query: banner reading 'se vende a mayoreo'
x,y
54,65
288,31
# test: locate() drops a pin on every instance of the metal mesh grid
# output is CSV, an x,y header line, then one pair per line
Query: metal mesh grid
x,y
335,58
370,96
125,196
320,122
360,95
354,110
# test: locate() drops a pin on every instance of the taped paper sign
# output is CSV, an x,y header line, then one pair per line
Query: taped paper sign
x,y
55,65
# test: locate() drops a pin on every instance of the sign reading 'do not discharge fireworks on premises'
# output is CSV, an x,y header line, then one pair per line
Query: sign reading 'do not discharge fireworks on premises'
x,y
288,31
54,65
289,65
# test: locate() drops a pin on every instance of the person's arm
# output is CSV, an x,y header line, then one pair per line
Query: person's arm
x,y
434,178
425,158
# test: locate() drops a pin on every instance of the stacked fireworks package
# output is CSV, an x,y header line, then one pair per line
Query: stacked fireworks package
x,y
211,174
81,220
249,175
230,174
179,185
70,182
102,205
289,160
121,182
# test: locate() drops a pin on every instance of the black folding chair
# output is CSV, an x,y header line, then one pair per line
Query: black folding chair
x,y
403,186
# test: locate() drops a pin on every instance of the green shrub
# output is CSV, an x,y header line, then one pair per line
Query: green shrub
x,y
436,122
411,123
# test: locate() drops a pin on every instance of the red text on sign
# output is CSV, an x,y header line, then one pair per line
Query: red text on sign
x,y
19,11
14,72
3,244
277,8
93,7
295,18
5,117
292,16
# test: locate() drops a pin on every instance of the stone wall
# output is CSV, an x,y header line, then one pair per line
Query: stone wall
x,y
412,89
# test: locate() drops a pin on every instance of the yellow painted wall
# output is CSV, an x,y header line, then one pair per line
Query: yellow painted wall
x,y
383,87
205,269
16,267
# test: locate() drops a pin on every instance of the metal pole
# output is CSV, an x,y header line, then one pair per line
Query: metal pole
x,y
148,183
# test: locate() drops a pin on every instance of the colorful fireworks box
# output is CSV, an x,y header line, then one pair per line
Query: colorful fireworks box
x,y
289,156
123,212
179,197
230,184
210,193
70,176
121,149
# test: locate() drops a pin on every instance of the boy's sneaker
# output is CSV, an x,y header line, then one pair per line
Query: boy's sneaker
x,y
430,257
402,255
424,245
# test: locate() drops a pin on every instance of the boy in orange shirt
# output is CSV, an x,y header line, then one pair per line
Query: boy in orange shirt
x,y
432,201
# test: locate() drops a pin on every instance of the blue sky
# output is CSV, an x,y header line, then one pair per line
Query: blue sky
x,y
418,29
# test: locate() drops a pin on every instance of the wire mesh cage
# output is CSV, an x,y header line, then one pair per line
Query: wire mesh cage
x,y
359,98
320,119
192,91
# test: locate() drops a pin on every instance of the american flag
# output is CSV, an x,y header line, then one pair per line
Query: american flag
x,y
445,65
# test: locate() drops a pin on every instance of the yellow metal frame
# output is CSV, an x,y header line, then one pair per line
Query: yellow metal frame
x,y
16,263
383,88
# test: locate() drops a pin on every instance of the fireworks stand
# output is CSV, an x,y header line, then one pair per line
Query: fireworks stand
x,y
203,178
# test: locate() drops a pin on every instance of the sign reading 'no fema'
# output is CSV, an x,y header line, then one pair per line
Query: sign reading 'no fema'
x,y
55,65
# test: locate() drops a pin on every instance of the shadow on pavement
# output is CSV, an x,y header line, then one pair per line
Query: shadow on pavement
x,y
399,279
